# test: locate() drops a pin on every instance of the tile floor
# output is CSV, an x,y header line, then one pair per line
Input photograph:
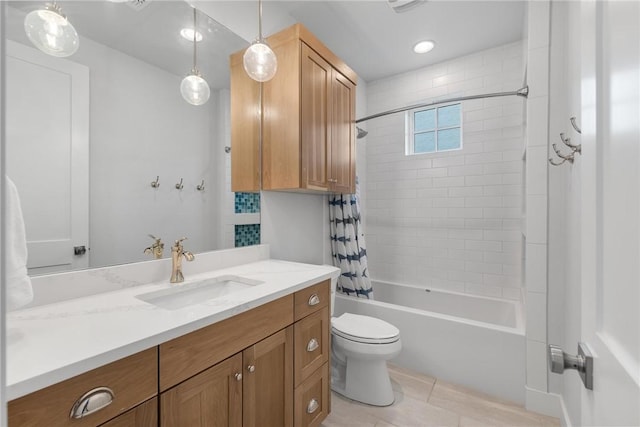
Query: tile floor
x,y
425,401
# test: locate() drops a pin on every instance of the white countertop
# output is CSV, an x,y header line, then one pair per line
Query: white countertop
x,y
50,343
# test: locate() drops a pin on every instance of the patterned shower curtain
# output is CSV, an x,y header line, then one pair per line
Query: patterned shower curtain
x,y
347,244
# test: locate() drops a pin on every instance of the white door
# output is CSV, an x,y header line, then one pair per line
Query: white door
x,y
47,148
610,121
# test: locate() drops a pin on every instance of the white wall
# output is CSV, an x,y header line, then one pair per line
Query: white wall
x,y
564,288
294,226
536,208
449,220
131,144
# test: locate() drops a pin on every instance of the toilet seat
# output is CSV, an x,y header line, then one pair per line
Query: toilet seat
x,y
364,329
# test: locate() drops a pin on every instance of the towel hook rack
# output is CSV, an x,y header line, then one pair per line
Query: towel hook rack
x,y
179,185
156,183
201,186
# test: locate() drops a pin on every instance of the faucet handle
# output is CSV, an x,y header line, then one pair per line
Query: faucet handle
x,y
178,243
156,248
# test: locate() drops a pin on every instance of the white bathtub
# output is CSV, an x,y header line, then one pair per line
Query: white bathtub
x,y
473,341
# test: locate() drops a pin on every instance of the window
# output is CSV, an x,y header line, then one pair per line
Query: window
x,y
434,129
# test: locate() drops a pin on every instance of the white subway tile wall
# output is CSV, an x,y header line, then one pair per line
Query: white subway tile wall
x,y
449,220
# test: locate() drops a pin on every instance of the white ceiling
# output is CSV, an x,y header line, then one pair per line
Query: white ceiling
x,y
378,42
367,34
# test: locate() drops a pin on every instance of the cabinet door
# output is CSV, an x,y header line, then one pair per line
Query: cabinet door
x,y
210,399
268,381
315,117
342,161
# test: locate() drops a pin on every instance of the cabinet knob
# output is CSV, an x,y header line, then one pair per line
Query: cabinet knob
x,y
312,345
251,368
313,300
238,376
312,406
92,401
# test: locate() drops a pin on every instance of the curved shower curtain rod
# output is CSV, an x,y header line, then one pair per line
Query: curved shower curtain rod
x,y
523,92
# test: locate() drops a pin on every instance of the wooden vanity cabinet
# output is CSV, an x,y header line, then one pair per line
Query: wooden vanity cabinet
x,y
308,118
268,366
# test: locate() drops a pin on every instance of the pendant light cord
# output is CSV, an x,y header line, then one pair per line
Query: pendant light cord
x,y
194,39
260,20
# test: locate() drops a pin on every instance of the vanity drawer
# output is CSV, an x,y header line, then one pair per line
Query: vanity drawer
x,y
145,415
132,380
186,356
311,299
311,343
311,401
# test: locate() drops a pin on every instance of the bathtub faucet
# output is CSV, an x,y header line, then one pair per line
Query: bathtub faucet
x,y
177,252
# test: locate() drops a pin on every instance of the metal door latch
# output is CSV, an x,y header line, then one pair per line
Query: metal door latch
x,y
582,362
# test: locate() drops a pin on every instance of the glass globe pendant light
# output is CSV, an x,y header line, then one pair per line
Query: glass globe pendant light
x,y
194,88
51,32
259,61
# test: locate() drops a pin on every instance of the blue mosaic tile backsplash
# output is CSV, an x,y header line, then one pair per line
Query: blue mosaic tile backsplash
x,y
247,235
247,203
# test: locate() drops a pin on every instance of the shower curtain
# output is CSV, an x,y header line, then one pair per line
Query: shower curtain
x,y
348,246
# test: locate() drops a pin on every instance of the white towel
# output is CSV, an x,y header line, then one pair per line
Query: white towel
x,y
19,291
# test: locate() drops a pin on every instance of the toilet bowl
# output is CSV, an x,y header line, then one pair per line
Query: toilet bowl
x,y
360,348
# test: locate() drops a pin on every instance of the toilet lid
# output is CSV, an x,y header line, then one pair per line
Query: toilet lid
x,y
364,329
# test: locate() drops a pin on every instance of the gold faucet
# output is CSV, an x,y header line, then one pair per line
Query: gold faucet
x,y
177,252
155,249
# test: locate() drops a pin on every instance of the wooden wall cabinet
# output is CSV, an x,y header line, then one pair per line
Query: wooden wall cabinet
x,y
308,119
268,366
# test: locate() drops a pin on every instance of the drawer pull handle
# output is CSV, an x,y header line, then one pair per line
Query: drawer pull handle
x,y
251,368
92,401
312,345
312,406
238,376
313,300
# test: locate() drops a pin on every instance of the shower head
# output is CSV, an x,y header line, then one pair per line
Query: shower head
x,y
361,133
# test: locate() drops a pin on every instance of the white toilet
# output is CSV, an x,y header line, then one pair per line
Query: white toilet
x,y
360,348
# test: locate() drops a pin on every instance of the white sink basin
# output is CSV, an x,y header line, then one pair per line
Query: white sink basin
x,y
184,295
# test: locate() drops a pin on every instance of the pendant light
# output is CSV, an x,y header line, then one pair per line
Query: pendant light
x,y
194,88
259,61
51,32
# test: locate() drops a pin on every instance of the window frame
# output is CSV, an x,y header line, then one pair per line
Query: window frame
x,y
410,133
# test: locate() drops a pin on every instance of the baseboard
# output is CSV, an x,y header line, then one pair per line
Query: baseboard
x,y
544,403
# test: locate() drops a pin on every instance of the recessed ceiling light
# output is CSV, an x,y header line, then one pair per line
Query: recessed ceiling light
x,y
187,33
423,46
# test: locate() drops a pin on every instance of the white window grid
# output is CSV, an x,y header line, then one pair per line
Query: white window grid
x,y
410,133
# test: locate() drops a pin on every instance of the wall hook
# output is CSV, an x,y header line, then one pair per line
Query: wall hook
x,y
227,149
200,187
567,157
156,183
575,126
179,185
577,148
556,163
